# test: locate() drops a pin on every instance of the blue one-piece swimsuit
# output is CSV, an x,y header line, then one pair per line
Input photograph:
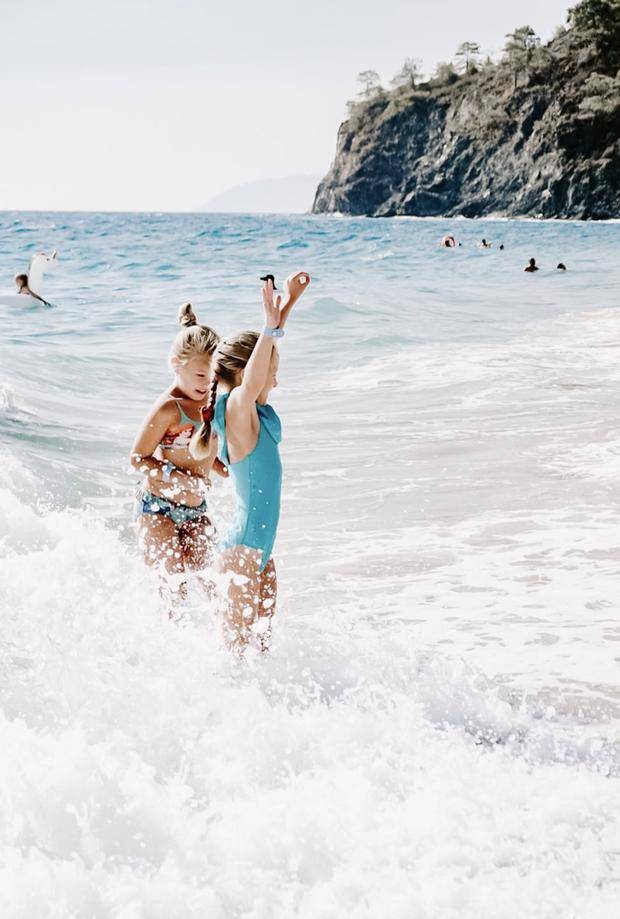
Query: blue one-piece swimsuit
x,y
258,482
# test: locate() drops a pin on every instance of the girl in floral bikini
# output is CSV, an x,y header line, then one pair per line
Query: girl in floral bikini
x,y
174,527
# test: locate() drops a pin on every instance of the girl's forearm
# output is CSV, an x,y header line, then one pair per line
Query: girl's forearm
x,y
286,309
296,284
158,472
257,368
148,465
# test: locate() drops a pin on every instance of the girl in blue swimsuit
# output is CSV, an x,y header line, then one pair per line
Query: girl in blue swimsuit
x,y
174,526
249,435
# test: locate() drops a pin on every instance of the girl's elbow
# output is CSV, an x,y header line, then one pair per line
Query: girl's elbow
x,y
251,390
136,460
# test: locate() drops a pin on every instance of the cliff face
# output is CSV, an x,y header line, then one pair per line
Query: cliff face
x,y
478,146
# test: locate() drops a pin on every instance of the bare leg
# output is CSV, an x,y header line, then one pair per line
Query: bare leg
x,y
197,540
159,540
267,603
250,596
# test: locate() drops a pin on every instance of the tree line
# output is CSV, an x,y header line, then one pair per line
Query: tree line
x,y
597,20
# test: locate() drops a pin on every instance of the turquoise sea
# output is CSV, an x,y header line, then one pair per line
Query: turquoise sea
x,y
436,732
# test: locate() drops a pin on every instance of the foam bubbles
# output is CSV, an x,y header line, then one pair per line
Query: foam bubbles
x,y
345,774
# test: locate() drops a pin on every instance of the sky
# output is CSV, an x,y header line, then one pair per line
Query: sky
x,y
161,104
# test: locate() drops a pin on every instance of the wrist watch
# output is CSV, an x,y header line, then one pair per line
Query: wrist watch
x,y
273,333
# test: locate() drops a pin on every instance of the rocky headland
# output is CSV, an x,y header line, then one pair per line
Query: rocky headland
x,y
536,134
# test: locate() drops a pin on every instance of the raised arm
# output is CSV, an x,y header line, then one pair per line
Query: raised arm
x,y
257,368
294,287
276,314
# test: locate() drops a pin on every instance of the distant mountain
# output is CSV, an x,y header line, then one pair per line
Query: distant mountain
x,y
286,195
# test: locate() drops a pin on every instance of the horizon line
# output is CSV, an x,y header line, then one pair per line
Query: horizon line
x,y
32,210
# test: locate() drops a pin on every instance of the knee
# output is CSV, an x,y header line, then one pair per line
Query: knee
x,y
267,606
197,560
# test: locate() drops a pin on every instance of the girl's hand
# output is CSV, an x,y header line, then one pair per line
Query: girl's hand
x,y
295,286
271,305
184,488
219,468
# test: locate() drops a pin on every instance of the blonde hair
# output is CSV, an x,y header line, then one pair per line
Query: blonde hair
x,y
229,360
193,338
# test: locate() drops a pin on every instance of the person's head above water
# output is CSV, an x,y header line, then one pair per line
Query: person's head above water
x,y
561,267
532,266
229,363
191,354
269,277
21,280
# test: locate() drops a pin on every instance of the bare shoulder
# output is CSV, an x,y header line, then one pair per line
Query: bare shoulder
x,y
162,414
166,404
163,411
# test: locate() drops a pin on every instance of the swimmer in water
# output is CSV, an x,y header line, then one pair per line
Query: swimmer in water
x,y
485,244
561,267
449,242
532,266
22,288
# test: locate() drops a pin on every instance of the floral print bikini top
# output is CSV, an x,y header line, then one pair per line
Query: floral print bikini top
x,y
178,436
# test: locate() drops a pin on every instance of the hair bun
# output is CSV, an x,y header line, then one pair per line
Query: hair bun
x,y
187,316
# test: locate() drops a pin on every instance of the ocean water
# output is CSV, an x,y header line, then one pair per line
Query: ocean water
x,y
436,732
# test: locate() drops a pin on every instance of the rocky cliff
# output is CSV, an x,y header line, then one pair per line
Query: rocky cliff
x,y
479,145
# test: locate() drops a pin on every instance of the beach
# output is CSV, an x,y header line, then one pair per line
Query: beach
x,y
436,731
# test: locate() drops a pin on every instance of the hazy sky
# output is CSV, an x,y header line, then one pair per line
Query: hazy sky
x,y
158,105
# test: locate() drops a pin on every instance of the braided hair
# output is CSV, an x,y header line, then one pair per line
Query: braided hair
x,y
229,359
201,439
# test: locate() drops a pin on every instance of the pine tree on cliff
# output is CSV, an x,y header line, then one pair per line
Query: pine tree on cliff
x,y
370,83
409,73
519,50
468,54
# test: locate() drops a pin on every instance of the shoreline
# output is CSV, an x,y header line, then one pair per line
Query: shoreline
x,y
335,215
